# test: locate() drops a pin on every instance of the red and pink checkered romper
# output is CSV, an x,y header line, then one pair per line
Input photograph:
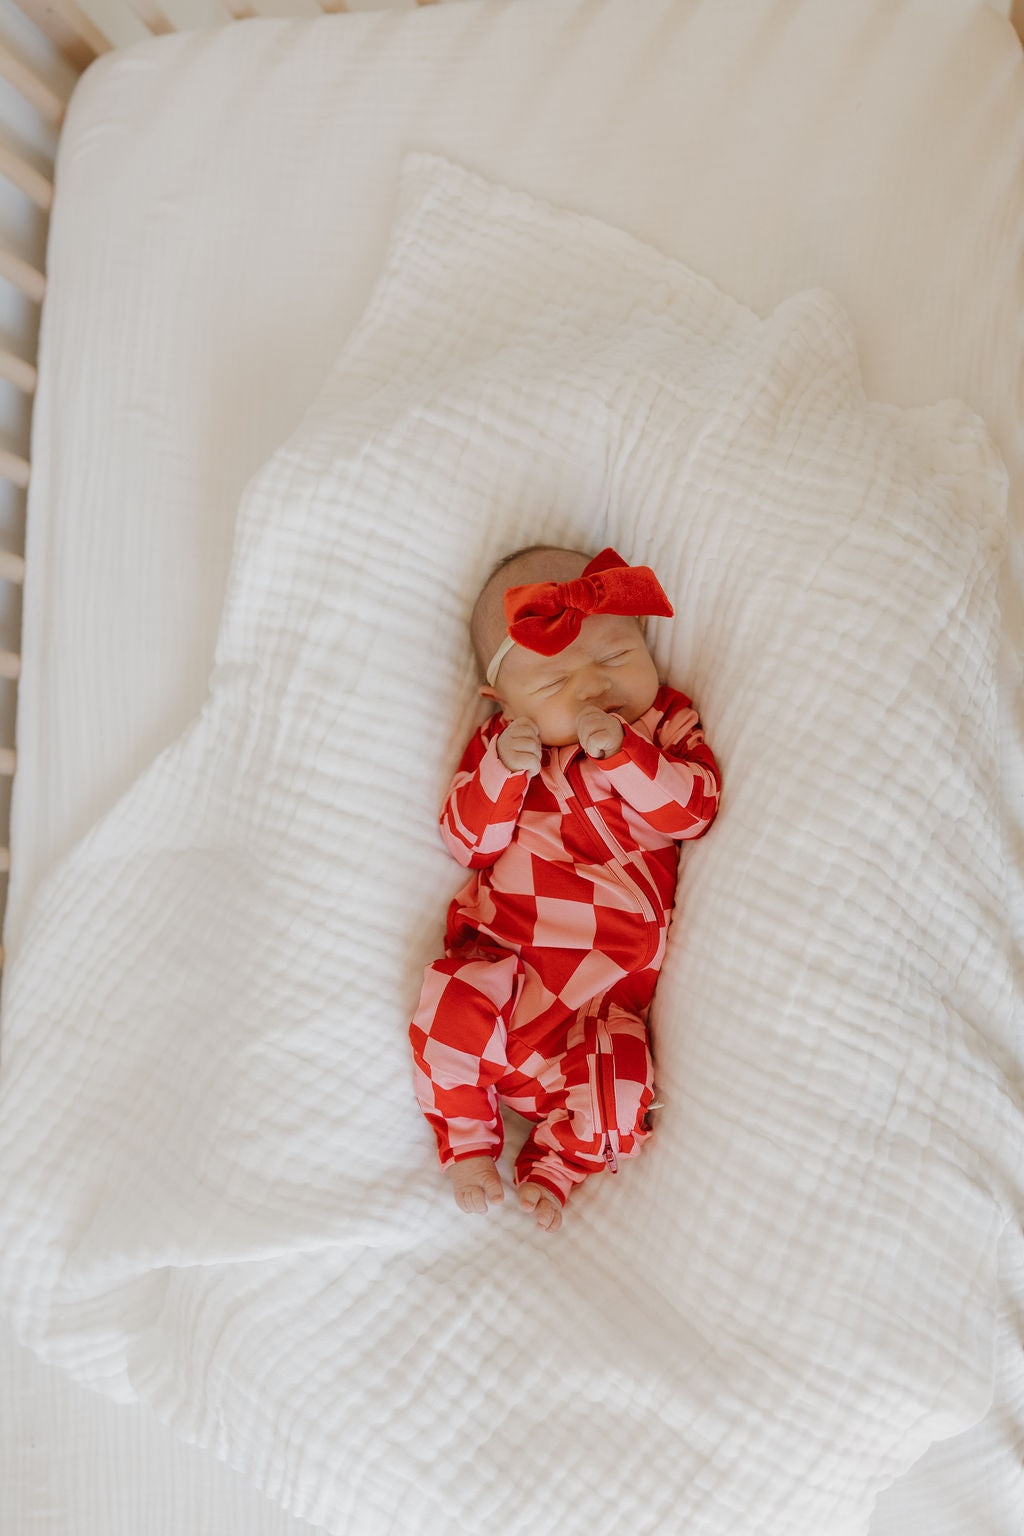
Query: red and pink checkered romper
x,y
552,949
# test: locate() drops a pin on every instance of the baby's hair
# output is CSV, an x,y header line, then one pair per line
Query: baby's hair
x,y
483,620
534,549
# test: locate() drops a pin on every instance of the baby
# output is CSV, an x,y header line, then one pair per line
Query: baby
x,y
568,804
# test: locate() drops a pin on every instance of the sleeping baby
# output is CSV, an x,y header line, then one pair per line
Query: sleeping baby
x,y
568,805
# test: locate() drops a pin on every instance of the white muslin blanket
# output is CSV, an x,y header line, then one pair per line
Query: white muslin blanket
x,y
218,1193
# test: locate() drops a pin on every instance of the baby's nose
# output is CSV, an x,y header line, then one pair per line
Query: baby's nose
x,y
593,685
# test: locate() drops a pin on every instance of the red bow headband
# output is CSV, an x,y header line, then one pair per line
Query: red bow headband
x,y
546,616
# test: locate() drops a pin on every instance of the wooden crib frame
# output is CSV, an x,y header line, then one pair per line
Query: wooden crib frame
x,y
79,42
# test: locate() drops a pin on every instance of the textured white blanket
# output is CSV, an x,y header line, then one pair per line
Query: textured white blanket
x,y
218,1194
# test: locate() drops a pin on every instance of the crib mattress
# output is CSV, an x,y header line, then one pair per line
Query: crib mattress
x,y
223,201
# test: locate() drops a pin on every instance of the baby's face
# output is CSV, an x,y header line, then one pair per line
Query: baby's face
x,y
607,665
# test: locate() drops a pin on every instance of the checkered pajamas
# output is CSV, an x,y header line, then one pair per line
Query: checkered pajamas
x,y
553,948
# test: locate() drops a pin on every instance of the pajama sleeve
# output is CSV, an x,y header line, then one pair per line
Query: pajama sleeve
x,y
482,808
672,780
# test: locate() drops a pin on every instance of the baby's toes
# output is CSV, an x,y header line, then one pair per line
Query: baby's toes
x,y
492,1188
471,1199
545,1210
548,1214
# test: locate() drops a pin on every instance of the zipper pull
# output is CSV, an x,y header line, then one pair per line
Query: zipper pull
x,y
609,1155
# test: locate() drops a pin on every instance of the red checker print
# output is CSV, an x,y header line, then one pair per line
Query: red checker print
x,y
565,924
461,1000
581,857
579,841
615,816
514,916
555,969
628,938
561,880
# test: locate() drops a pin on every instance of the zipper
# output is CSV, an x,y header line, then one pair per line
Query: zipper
x,y
588,816
604,1117
586,812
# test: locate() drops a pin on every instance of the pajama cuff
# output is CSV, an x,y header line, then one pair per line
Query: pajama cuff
x,y
623,756
495,778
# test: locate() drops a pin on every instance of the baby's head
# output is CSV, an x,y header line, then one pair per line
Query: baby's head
x,y
605,664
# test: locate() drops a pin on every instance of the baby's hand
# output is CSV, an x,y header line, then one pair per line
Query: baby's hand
x,y
600,735
519,746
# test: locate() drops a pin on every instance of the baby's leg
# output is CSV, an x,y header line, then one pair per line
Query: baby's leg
x,y
458,1039
590,1108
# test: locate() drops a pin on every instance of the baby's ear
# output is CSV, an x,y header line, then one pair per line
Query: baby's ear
x,y
487,692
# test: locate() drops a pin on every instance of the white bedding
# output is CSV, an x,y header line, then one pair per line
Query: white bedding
x,y
798,1297
430,76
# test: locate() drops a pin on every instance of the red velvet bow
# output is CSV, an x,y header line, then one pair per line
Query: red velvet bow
x,y
546,616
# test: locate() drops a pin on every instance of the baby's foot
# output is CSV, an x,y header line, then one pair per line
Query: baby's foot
x,y
475,1181
541,1204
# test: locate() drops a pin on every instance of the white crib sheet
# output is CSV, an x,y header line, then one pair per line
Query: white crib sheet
x,y
223,200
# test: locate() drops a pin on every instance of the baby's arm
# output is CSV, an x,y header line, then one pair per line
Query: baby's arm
x,y
482,807
671,781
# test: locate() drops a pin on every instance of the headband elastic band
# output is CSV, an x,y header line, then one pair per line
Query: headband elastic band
x,y
497,659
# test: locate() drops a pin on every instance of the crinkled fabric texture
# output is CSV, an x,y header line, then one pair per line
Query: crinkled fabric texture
x,y
218,1193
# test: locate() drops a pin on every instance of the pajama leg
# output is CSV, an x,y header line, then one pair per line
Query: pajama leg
x,y
458,1037
591,1102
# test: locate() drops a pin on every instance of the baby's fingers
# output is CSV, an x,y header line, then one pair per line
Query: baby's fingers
x,y
519,746
525,730
600,734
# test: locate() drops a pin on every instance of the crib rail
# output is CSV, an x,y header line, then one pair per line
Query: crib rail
x,y
78,37
80,40
34,86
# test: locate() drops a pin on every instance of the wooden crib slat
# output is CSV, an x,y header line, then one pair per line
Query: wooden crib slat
x,y
17,372
66,24
23,276
77,37
26,178
29,86
12,567
14,468
151,16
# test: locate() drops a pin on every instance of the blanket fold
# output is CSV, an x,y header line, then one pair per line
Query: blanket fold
x,y
217,1194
